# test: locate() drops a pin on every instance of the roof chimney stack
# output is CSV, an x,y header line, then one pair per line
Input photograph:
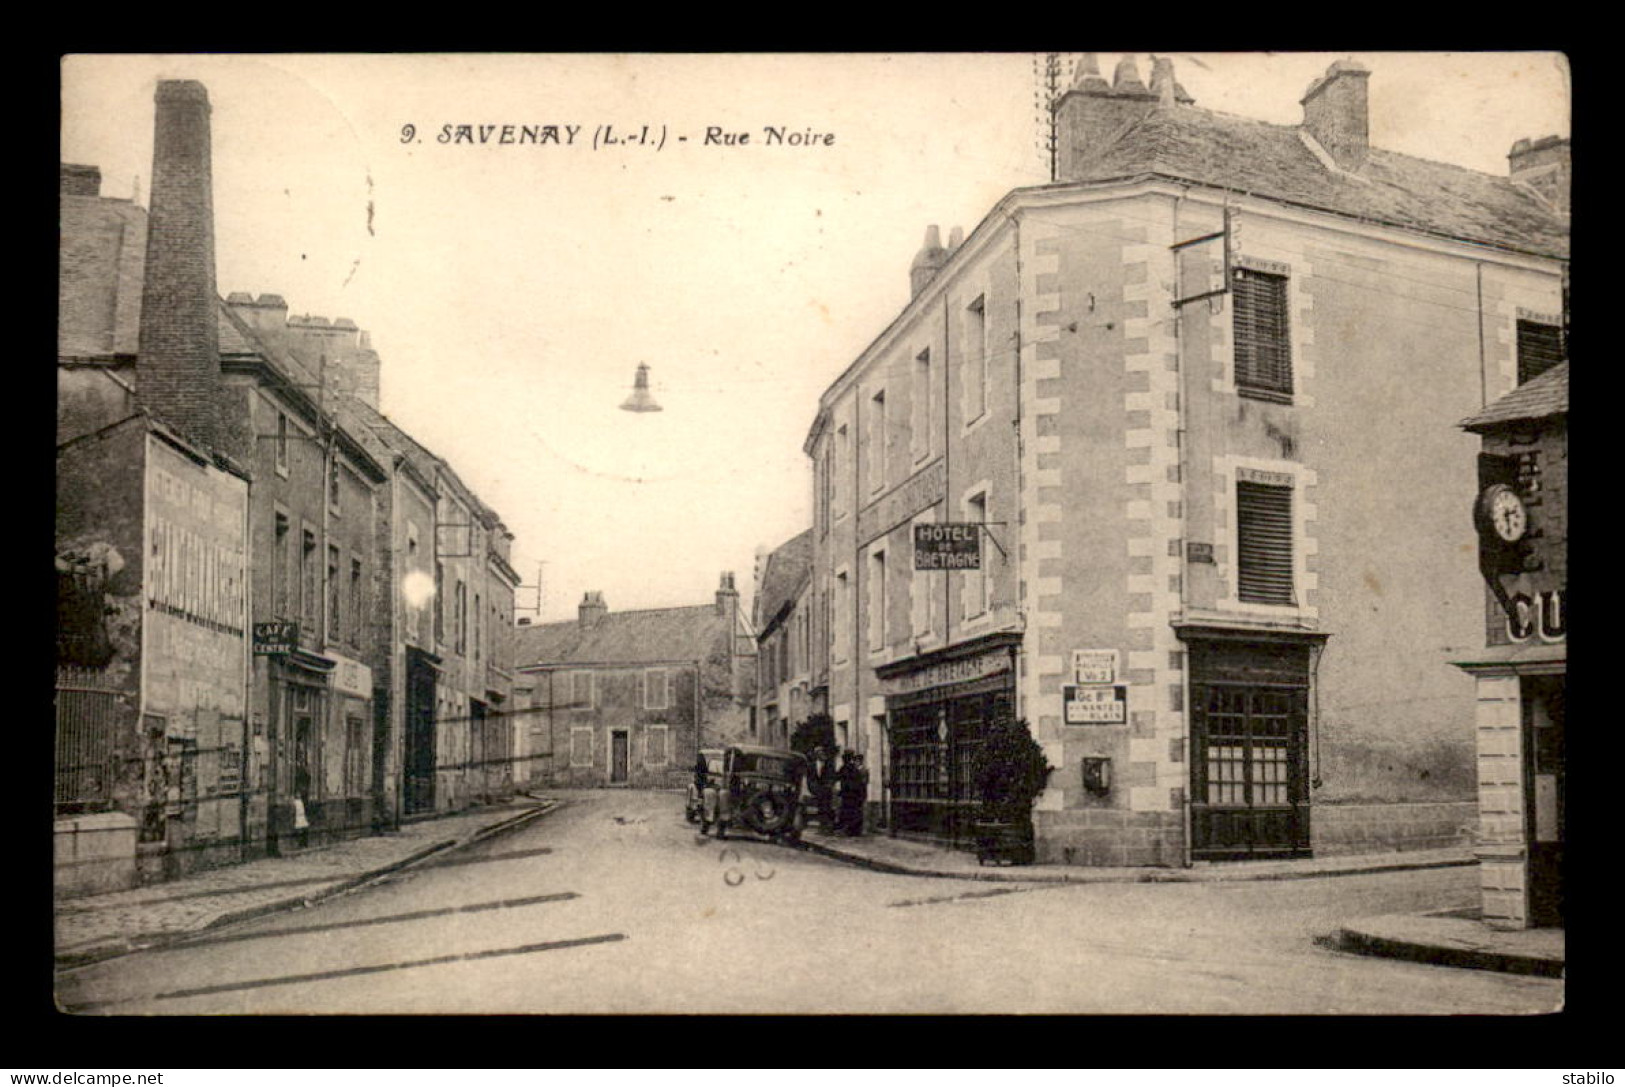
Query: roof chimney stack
x,y
1545,166
1126,80
75,180
1087,77
592,608
1337,114
178,358
727,595
927,262
1091,114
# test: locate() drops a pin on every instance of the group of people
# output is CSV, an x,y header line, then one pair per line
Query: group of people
x,y
835,797
830,795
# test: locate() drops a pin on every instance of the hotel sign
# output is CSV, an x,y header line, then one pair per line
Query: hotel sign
x,y
948,546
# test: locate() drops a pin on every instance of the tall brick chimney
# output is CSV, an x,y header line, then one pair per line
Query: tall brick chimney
x,y
1336,112
1546,166
178,358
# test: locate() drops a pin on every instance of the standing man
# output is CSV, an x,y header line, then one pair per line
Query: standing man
x,y
854,782
826,788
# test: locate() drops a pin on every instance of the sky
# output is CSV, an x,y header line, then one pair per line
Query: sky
x,y
511,290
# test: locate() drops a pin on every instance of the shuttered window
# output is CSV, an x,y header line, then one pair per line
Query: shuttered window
x,y
1263,342
1540,347
1264,543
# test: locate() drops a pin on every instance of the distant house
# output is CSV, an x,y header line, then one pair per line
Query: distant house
x,y
626,698
783,637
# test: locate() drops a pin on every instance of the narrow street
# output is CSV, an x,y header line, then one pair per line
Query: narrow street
x,y
614,905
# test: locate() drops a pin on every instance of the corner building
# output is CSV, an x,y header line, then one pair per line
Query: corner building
x,y
1522,671
1199,394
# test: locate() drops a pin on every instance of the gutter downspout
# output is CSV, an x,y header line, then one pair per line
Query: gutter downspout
x,y
1183,409
1483,376
247,757
1018,653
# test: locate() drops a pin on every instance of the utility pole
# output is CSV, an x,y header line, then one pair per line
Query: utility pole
x,y
1048,76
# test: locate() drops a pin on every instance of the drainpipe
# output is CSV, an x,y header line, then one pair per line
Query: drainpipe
x,y
1018,653
1183,410
699,727
247,760
1483,376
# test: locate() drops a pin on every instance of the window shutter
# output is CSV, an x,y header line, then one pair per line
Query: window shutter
x,y
1540,347
1264,532
1262,339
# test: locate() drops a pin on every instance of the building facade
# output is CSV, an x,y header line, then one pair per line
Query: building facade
x,y
1191,403
628,698
262,543
1521,674
783,622
153,739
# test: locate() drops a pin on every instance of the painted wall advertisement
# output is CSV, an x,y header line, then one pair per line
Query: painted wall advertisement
x,y
194,666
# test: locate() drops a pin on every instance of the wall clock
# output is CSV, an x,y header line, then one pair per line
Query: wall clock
x,y
1500,514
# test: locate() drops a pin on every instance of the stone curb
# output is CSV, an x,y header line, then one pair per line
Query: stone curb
x,y
1506,962
100,952
1144,875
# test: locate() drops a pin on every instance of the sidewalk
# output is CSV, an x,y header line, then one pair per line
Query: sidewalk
x,y
1453,938
904,857
96,927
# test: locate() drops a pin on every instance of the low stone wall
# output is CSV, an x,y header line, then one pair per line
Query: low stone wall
x,y
1109,838
1337,829
94,854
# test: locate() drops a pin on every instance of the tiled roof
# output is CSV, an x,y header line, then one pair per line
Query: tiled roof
x,y
785,572
626,637
1271,160
102,250
238,340
1546,395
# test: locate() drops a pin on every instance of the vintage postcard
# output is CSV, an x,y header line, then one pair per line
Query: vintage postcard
x,y
976,533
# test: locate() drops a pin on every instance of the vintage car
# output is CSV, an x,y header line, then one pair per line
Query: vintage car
x,y
696,785
758,788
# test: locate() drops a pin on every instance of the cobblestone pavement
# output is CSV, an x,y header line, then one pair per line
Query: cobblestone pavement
x,y
96,926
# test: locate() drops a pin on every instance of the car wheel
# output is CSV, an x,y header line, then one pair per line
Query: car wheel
x,y
768,813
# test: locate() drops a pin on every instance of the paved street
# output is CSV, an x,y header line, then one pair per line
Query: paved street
x,y
614,904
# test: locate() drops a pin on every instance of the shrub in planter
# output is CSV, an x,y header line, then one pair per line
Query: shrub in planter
x,y
1009,770
818,730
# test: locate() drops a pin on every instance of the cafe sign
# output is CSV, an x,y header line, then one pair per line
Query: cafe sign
x,y
948,545
271,639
